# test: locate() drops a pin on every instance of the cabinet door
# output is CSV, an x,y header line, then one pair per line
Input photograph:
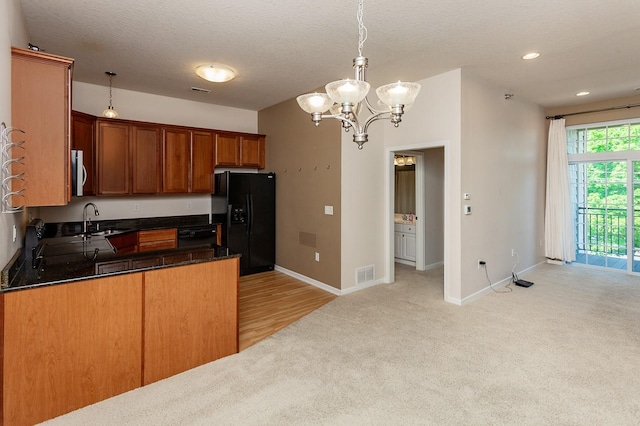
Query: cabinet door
x,y
227,152
206,304
146,172
83,133
113,158
176,160
70,345
41,107
252,151
202,162
410,247
397,244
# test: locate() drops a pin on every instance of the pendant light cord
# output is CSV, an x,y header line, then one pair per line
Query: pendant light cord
x,y
362,30
110,85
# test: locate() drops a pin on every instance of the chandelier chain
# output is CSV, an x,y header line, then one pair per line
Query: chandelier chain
x,y
362,30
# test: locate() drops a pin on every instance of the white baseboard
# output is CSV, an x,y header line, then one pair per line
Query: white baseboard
x,y
404,261
324,286
497,285
304,278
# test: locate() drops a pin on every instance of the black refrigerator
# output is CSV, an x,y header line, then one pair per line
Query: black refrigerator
x,y
246,203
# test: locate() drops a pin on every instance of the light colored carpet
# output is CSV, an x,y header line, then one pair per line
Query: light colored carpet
x,y
563,352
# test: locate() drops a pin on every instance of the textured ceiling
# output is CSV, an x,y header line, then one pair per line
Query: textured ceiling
x,y
283,48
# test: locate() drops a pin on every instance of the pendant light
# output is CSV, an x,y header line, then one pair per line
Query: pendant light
x,y
110,112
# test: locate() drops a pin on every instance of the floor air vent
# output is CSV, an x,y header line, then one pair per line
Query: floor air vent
x,y
365,274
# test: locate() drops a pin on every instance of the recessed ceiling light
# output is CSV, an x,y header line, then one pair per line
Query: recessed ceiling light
x,y
582,93
216,73
532,55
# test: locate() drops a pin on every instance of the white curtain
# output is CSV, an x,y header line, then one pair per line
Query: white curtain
x,y
558,220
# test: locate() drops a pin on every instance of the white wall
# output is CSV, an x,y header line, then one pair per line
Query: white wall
x,y
503,168
140,106
129,207
434,117
12,33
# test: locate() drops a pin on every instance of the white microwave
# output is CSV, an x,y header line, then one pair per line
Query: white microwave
x,y
78,173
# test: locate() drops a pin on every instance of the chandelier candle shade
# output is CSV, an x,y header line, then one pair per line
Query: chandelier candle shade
x,y
110,112
344,98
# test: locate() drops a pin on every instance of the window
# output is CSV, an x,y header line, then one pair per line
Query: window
x,y
604,169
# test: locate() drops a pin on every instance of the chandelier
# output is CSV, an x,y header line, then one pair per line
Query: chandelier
x,y
345,98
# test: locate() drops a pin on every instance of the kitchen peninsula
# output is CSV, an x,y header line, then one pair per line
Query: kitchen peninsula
x,y
73,335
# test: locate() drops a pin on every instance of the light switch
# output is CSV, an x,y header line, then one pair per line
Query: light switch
x,y
467,209
467,196
328,210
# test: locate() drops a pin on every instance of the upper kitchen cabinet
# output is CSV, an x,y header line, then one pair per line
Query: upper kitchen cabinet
x,y
187,161
146,164
83,133
227,150
252,151
176,146
112,155
128,157
240,150
202,152
41,107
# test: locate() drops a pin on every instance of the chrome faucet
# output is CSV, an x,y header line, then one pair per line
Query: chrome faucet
x,y
86,221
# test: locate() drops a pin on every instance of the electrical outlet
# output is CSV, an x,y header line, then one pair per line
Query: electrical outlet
x,y
136,207
481,263
189,205
513,252
317,257
15,233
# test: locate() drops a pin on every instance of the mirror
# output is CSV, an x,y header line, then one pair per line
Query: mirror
x,y
405,189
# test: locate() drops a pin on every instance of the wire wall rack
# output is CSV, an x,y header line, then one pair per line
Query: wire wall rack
x,y
8,148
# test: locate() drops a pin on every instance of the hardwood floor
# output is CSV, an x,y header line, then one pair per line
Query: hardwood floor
x,y
270,301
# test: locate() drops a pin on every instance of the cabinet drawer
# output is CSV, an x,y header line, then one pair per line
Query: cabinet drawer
x,y
156,245
113,266
146,263
409,229
176,258
157,235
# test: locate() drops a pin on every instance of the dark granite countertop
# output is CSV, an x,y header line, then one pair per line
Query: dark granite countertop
x,y
67,268
68,257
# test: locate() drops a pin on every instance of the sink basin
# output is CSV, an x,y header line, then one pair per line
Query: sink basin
x,y
98,233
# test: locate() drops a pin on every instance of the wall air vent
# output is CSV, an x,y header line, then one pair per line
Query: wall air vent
x,y
200,89
365,274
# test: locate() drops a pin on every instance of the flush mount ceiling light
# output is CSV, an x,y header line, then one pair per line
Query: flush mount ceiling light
x,y
216,73
110,112
585,93
531,55
345,98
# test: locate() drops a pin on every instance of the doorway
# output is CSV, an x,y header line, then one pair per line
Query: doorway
x,y
431,181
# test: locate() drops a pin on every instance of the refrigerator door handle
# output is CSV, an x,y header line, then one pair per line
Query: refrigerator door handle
x,y
229,208
249,213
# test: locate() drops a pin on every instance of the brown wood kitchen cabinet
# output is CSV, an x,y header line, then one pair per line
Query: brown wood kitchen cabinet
x,y
252,151
157,239
240,150
205,303
83,135
112,155
187,161
70,345
41,107
146,166
128,157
